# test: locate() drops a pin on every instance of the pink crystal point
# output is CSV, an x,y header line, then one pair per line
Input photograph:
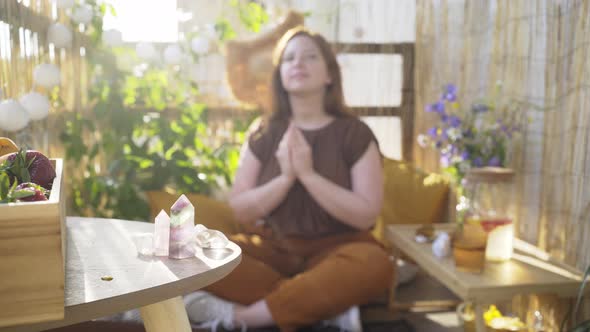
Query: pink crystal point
x,y
162,234
182,220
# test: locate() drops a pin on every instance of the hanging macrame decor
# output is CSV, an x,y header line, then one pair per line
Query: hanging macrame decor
x,y
249,63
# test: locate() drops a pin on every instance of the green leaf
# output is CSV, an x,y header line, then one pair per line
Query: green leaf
x,y
149,130
4,185
253,16
146,164
224,29
112,10
18,194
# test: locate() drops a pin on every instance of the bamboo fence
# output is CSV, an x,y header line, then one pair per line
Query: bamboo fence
x,y
23,45
539,50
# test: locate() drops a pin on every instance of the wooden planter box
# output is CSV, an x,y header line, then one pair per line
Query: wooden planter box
x,y
32,248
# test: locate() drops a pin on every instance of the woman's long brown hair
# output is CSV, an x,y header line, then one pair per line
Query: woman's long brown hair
x,y
334,97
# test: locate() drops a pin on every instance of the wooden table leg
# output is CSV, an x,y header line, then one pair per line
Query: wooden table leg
x,y
169,315
480,324
395,254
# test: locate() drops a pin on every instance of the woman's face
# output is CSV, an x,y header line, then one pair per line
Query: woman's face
x,y
303,68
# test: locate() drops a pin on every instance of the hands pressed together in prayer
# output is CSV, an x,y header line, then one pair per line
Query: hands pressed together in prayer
x,y
294,155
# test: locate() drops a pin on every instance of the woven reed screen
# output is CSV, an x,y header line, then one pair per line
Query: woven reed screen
x,y
539,49
23,31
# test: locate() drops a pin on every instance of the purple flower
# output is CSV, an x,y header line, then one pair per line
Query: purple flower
x,y
494,161
465,155
478,162
454,121
451,88
429,108
448,97
464,182
453,149
513,130
450,93
479,108
439,107
432,132
506,130
445,160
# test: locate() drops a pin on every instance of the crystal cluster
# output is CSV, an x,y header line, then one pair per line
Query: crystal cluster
x,y
176,237
210,238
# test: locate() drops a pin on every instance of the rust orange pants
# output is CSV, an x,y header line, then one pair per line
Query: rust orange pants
x,y
305,281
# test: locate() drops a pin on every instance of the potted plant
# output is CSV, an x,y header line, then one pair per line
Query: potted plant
x,y
477,140
483,134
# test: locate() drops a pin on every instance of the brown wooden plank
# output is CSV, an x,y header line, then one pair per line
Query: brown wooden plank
x,y
408,101
374,48
376,111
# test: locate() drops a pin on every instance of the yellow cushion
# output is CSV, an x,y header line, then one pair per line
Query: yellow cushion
x,y
411,196
212,213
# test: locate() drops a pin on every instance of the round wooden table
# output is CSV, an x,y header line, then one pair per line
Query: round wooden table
x,y
105,275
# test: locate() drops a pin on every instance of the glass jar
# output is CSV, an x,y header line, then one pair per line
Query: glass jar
x,y
489,198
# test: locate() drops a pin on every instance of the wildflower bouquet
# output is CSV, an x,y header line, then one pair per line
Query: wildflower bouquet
x,y
482,135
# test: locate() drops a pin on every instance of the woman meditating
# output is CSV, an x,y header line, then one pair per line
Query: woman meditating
x,y
312,176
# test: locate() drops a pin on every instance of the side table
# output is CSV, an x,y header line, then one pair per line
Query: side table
x,y
523,274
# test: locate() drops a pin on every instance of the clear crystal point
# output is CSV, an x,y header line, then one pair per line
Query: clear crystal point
x,y
162,234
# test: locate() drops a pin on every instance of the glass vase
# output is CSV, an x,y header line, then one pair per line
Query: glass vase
x,y
488,203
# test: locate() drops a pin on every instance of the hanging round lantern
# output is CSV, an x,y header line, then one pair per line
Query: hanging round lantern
x,y
46,75
173,54
13,117
112,38
59,35
211,32
64,4
36,104
82,14
145,50
200,45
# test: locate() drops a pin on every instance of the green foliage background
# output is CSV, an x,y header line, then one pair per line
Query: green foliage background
x,y
145,132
